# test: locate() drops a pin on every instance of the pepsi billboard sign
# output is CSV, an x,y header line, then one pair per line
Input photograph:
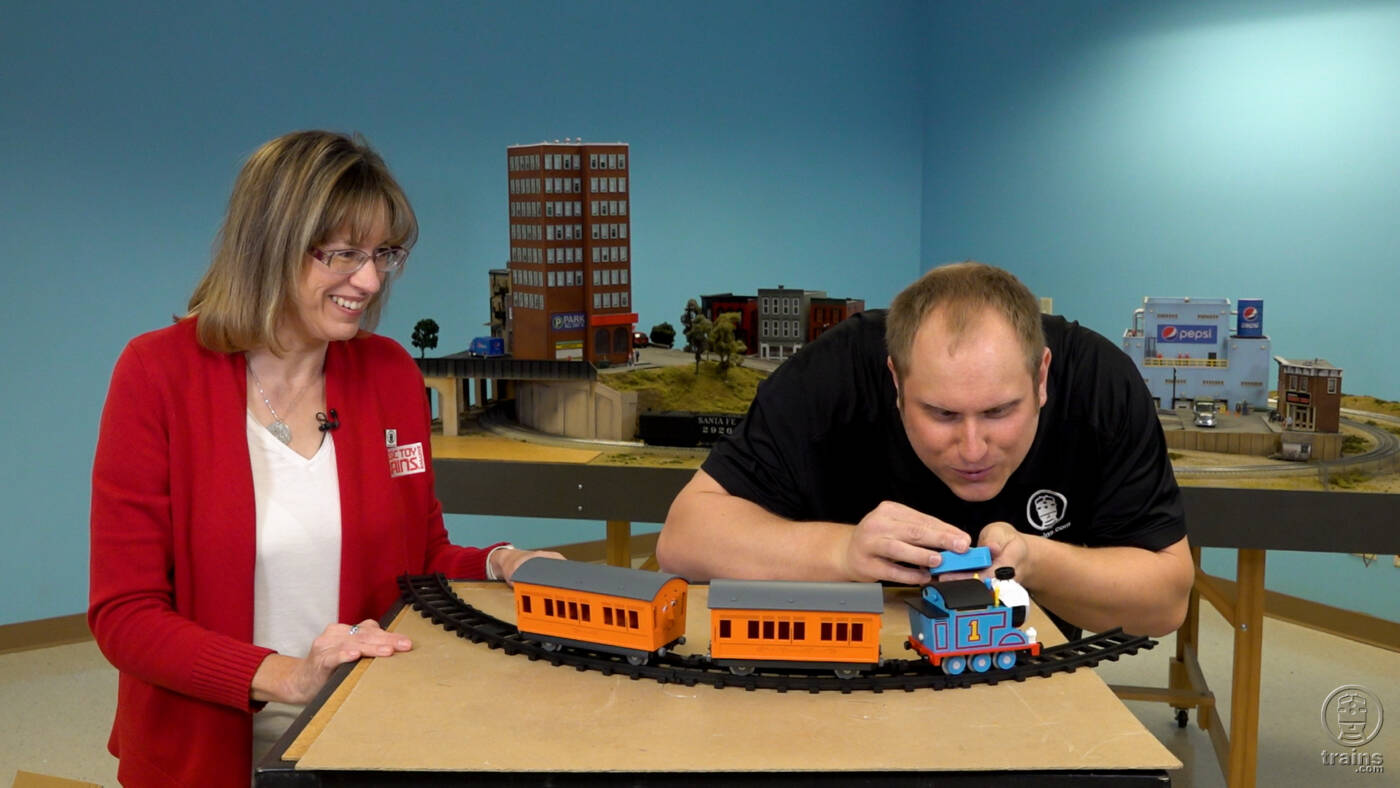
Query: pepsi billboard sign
x,y
1251,318
1186,335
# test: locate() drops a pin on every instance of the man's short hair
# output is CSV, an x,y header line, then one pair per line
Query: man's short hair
x,y
963,291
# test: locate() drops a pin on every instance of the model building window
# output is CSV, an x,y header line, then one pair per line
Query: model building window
x,y
593,161
624,300
622,161
597,300
622,184
623,251
624,276
1331,385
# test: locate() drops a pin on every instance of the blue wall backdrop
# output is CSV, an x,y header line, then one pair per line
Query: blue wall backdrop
x,y
1103,151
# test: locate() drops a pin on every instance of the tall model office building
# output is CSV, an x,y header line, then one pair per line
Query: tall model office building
x,y
570,255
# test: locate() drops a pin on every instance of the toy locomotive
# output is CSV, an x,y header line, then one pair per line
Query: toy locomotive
x,y
774,624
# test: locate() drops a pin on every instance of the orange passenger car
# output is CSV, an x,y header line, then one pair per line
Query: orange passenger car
x,y
602,608
756,624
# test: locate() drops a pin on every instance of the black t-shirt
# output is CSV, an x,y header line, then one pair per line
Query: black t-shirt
x,y
823,440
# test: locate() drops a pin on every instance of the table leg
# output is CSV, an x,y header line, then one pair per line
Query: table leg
x,y
1244,694
619,543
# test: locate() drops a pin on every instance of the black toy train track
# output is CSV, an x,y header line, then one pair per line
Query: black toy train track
x,y
433,597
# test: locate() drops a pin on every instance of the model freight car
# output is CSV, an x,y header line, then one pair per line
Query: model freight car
x,y
602,608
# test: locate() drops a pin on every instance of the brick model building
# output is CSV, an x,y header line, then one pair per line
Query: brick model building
x,y
776,322
570,255
1309,394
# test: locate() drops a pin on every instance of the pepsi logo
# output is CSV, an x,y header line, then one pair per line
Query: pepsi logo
x,y
1169,332
1251,313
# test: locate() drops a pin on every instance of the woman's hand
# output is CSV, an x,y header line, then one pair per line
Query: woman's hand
x,y
291,680
504,562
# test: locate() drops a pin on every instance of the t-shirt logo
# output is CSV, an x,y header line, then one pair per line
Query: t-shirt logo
x,y
1046,509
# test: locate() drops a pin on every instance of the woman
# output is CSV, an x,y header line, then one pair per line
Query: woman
x,y
263,473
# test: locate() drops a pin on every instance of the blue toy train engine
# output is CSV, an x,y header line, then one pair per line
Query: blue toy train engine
x,y
956,624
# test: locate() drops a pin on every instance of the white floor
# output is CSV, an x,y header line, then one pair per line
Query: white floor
x,y
56,705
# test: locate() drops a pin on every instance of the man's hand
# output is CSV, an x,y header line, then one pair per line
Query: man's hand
x,y
1009,547
896,543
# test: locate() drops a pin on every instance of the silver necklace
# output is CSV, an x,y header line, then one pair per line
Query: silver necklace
x,y
278,427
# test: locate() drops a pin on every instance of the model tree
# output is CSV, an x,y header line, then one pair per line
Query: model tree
x,y
692,311
697,331
663,334
425,335
725,344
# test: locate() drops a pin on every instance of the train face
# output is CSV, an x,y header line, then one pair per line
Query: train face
x,y
792,624
959,624
604,608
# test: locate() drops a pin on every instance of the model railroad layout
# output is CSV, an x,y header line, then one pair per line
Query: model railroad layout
x,y
433,597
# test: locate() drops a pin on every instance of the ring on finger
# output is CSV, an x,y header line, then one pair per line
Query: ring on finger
x,y
354,629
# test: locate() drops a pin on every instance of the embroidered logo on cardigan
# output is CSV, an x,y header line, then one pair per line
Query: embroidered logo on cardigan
x,y
405,460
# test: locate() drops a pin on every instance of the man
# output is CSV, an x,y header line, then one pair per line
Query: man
x,y
962,417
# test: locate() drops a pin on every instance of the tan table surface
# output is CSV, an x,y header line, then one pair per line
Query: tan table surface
x,y
453,705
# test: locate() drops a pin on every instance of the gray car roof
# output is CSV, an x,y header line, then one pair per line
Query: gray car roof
x,y
792,595
598,578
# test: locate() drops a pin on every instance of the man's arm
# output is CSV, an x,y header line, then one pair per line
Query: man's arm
x,y
1098,588
710,533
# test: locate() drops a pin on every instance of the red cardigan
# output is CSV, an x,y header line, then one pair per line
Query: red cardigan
x,y
173,529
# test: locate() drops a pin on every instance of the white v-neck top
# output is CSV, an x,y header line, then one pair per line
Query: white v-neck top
x,y
296,580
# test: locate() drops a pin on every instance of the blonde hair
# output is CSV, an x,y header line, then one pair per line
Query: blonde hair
x,y
293,193
963,290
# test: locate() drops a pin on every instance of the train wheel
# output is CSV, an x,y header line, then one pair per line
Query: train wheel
x,y
549,646
741,670
633,659
954,665
981,663
847,673
1006,660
